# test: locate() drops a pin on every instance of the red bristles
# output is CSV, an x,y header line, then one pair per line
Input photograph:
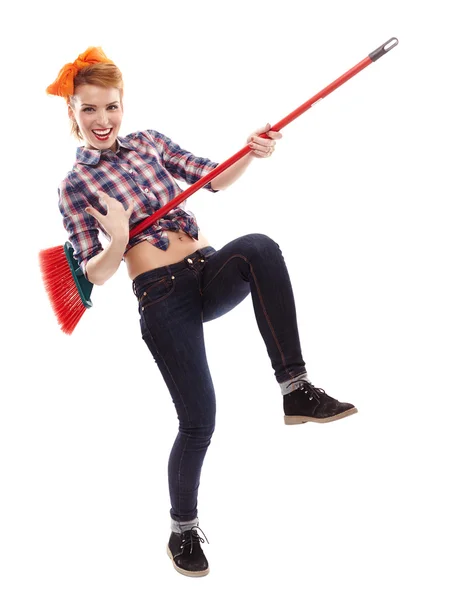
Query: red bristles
x,y
61,288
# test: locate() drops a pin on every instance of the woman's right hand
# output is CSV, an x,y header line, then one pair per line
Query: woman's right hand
x,y
116,220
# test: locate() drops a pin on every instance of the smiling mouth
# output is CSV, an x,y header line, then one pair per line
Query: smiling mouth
x,y
102,134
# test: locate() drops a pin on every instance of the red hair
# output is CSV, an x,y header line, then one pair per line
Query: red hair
x,y
91,67
101,74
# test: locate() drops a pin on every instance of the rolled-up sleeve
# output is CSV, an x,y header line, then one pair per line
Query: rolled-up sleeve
x,y
183,164
81,227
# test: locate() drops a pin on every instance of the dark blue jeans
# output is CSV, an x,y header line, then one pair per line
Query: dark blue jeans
x,y
174,302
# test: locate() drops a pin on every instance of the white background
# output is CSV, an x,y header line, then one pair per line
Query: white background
x,y
356,195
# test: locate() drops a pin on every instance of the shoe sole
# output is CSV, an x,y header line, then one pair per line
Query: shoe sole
x,y
184,571
299,420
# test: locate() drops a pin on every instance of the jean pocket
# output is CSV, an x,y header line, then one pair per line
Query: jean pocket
x,y
156,291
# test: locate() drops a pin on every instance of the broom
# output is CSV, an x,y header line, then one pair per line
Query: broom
x,y
68,289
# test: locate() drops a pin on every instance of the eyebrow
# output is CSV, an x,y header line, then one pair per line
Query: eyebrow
x,y
109,104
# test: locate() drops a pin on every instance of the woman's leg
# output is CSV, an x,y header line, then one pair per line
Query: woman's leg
x,y
171,324
254,264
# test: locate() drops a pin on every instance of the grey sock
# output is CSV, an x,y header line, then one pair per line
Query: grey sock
x,y
294,383
180,526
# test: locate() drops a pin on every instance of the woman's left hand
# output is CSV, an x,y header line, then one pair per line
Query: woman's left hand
x,y
262,147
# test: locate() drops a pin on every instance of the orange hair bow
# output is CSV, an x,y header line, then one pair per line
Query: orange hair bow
x,y
64,83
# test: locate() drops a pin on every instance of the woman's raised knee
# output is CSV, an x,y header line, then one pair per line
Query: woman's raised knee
x,y
260,244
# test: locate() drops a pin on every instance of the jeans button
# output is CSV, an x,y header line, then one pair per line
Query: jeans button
x,y
190,261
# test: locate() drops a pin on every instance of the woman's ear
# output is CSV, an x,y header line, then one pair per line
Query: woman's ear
x,y
70,112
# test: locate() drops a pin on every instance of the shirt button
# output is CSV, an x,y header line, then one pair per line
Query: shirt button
x,y
146,190
131,171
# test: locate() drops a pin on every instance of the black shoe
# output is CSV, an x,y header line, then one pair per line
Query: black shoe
x,y
309,403
186,554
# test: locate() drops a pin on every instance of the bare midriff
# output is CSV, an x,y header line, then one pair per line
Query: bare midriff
x,y
144,256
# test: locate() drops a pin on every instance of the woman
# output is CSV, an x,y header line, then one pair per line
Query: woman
x,y
179,279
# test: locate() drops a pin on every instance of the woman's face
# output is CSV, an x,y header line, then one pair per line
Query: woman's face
x,y
98,112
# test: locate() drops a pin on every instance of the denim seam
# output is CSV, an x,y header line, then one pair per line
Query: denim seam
x,y
261,302
220,269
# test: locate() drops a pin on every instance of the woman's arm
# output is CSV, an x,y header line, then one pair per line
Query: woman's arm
x,y
81,220
227,177
104,265
82,228
116,223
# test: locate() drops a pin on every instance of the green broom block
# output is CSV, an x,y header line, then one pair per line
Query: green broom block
x,y
84,286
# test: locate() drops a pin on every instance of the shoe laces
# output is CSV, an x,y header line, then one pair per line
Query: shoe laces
x,y
309,388
190,536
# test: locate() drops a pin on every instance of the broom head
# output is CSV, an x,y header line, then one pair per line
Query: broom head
x,y
67,288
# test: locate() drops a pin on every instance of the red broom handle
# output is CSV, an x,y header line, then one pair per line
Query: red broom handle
x,y
277,127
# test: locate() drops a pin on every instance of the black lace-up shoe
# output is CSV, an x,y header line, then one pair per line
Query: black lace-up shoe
x,y
186,553
308,403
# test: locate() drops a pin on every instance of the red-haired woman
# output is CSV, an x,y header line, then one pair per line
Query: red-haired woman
x,y
179,279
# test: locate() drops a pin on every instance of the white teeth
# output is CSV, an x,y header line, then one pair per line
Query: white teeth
x,y
101,131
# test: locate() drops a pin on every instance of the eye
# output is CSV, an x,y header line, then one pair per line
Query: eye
x,y
87,108
114,106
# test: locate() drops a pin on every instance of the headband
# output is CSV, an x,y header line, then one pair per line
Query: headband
x,y
64,83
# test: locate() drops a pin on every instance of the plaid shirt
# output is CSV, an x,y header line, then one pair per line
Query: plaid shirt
x,y
143,168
